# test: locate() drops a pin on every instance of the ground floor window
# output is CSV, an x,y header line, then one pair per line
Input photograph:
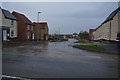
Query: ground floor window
x,y
118,36
12,33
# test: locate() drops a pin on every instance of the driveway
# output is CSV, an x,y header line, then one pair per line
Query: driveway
x,y
57,60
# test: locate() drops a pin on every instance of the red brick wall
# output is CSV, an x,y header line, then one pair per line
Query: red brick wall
x,y
22,30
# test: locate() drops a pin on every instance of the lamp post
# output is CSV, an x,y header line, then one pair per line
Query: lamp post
x,y
37,27
38,16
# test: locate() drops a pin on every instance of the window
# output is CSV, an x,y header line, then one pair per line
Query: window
x,y
31,27
12,22
28,36
28,27
118,36
12,33
41,30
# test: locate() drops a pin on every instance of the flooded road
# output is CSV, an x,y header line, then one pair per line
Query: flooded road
x,y
57,60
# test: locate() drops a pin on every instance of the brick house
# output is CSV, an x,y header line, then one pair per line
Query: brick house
x,y
83,35
41,31
91,34
25,27
8,25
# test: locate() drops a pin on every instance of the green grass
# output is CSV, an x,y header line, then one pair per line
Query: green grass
x,y
91,47
106,42
64,39
83,41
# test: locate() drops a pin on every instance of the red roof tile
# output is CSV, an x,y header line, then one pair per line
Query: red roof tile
x,y
41,24
22,17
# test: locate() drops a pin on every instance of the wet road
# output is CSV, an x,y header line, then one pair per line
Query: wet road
x,y
57,60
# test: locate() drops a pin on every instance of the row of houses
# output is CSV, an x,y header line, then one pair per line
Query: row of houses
x,y
17,26
109,29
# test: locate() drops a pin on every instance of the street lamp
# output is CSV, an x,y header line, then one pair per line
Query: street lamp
x,y
38,28
38,16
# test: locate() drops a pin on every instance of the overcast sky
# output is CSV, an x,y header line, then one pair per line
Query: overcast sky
x,y
67,17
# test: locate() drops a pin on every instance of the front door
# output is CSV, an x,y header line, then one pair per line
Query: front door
x,y
44,37
4,35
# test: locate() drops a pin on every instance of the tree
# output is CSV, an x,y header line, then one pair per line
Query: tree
x,y
75,34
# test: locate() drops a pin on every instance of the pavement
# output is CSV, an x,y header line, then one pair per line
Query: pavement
x,y
56,60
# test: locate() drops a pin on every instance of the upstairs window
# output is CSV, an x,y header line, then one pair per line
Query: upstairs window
x,y
28,27
31,27
12,22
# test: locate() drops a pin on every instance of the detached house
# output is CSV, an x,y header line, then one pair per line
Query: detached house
x,y
110,28
25,27
41,31
8,25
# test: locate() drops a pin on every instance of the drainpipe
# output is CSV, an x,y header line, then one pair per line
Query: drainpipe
x,y
110,30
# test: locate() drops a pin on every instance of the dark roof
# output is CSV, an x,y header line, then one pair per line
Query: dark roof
x,y
22,17
110,17
8,15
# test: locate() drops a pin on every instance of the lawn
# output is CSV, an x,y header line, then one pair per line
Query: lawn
x,y
83,41
64,39
90,47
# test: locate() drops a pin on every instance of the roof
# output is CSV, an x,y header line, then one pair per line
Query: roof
x,y
40,24
110,17
8,15
91,30
22,17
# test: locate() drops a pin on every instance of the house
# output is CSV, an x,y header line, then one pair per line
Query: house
x,y
110,28
84,35
41,31
25,27
8,25
91,34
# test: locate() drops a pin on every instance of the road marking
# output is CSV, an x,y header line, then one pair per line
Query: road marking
x,y
5,76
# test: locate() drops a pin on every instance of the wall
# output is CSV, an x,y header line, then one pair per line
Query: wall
x,y
104,31
114,27
14,28
40,32
0,17
7,23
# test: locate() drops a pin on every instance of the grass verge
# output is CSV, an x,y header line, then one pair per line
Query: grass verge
x,y
64,39
91,47
83,41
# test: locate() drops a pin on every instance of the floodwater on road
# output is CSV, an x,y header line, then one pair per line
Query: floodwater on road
x,y
57,60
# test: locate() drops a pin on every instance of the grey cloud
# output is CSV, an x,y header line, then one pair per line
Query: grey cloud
x,y
68,16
